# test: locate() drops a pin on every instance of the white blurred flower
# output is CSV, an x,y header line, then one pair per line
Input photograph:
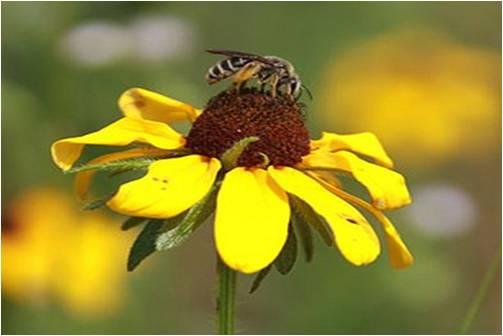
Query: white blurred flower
x,y
96,43
151,38
158,38
442,210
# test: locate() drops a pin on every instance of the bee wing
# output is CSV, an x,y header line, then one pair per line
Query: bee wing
x,y
232,53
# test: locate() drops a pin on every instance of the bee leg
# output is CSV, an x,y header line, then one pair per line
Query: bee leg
x,y
274,85
248,71
262,87
239,85
288,92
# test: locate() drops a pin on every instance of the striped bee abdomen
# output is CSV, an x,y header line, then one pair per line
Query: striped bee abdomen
x,y
225,69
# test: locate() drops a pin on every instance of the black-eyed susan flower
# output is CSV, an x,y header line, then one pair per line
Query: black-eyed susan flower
x,y
249,159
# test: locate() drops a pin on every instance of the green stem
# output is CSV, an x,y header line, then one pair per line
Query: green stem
x,y
481,293
225,300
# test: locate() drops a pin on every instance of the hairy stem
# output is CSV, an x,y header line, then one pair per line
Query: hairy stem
x,y
226,298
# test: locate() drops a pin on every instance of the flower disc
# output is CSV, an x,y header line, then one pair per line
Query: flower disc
x,y
232,116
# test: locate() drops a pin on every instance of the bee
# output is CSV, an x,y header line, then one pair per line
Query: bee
x,y
274,71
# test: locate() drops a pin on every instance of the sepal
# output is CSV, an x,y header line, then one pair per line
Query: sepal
x,y
286,259
132,222
307,215
259,278
144,244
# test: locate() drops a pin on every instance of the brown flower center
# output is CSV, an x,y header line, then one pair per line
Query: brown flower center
x,y
231,116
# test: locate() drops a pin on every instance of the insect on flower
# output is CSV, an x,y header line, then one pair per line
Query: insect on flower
x,y
249,159
274,71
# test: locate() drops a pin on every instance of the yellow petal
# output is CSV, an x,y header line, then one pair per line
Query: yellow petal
x,y
170,187
251,223
120,133
399,254
361,143
387,187
354,236
83,178
144,104
328,177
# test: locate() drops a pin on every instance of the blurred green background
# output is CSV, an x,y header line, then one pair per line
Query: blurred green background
x,y
425,77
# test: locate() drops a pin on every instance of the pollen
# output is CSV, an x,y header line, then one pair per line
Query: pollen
x,y
232,116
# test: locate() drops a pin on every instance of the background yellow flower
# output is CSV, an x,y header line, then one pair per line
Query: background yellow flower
x,y
428,97
51,250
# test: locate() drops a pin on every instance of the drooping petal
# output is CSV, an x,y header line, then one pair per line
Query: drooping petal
x,y
386,187
251,222
399,254
120,133
83,179
361,143
354,236
329,177
145,104
170,187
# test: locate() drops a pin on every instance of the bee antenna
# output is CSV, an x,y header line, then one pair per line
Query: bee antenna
x,y
308,91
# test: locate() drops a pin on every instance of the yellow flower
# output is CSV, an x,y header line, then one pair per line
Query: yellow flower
x,y
51,249
428,98
278,168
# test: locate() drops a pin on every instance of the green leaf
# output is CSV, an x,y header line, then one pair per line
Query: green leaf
x,y
286,259
132,222
189,223
126,165
171,223
258,278
306,235
118,165
231,156
119,172
144,244
308,215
